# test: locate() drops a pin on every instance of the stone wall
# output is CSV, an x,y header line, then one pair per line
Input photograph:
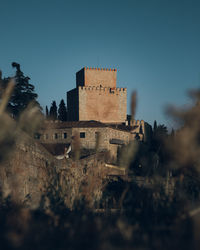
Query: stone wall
x,y
31,173
94,137
102,104
96,97
28,173
56,135
96,77
86,179
104,136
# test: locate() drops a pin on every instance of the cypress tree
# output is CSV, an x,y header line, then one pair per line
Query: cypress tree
x,y
172,133
47,113
62,111
155,126
53,111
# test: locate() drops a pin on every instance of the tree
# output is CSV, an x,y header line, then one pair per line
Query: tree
x,y
160,135
161,131
172,133
23,93
47,113
155,126
53,111
62,111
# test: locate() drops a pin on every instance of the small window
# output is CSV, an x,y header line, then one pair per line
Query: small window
x,y
46,136
64,135
55,136
37,136
82,134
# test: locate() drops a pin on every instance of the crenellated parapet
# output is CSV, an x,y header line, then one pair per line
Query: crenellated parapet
x,y
103,89
138,127
102,69
136,123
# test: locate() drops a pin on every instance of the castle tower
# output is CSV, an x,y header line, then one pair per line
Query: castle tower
x,y
96,97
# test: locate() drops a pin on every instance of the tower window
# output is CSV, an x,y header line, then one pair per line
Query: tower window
x,y
55,136
64,135
82,134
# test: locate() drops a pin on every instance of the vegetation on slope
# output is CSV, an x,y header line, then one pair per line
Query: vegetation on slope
x,y
130,216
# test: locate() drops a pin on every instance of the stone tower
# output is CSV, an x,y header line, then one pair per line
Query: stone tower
x,y
96,97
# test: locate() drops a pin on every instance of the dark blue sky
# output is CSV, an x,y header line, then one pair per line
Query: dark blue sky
x,y
154,44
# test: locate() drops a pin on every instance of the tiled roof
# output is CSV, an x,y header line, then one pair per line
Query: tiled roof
x,y
74,124
86,124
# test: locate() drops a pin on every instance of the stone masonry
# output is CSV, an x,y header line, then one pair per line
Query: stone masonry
x,y
97,109
96,97
96,77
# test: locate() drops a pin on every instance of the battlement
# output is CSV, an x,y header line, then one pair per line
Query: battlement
x,y
103,89
137,123
105,69
96,77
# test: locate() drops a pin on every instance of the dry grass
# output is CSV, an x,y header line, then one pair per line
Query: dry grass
x,y
185,146
114,232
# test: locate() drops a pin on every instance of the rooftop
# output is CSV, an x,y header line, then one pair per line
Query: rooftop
x,y
86,124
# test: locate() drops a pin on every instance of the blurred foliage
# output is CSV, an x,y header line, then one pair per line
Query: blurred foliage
x,y
17,100
130,215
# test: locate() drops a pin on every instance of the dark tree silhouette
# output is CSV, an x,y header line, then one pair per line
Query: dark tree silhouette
x,y
161,131
47,112
155,126
160,134
53,111
62,111
172,133
23,93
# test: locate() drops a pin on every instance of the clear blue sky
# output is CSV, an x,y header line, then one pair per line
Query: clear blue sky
x,y
154,44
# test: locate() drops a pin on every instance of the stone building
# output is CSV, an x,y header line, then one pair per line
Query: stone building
x,y
89,135
96,97
97,114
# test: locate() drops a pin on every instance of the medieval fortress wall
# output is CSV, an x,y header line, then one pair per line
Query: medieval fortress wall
x,y
96,77
107,105
96,97
97,114
29,171
92,136
96,106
